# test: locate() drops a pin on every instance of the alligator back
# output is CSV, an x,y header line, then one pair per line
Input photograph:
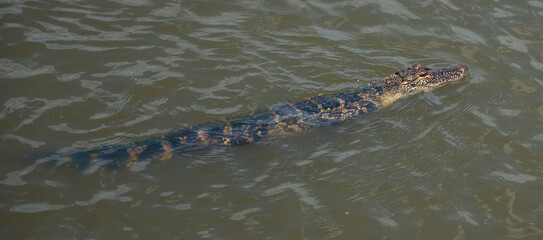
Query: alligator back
x,y
318,111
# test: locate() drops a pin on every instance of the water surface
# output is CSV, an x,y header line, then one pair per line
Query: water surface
x,y
461,162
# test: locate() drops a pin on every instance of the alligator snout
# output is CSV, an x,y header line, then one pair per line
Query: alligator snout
x,y
463,69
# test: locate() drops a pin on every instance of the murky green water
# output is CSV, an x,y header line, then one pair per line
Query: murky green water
x,y
462,162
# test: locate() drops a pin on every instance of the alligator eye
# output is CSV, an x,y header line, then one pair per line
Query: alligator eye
x,y
424,75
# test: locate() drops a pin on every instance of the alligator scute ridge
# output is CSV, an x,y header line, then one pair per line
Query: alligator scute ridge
x,y
317,111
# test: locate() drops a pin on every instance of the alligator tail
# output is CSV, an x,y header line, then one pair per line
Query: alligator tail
x,y
232,132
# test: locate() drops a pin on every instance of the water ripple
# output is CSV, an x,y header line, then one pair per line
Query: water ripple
x,y
459,162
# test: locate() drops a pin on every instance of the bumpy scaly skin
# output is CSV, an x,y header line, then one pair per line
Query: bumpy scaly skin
x,y
318,111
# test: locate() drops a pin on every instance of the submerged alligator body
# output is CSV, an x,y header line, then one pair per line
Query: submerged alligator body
x,y
318,111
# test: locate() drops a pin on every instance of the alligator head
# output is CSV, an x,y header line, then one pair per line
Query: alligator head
x,y
418,78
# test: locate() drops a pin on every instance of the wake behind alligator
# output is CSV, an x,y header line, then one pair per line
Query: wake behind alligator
x,y
317,111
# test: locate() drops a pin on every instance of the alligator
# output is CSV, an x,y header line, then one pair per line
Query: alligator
x,y
316,111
